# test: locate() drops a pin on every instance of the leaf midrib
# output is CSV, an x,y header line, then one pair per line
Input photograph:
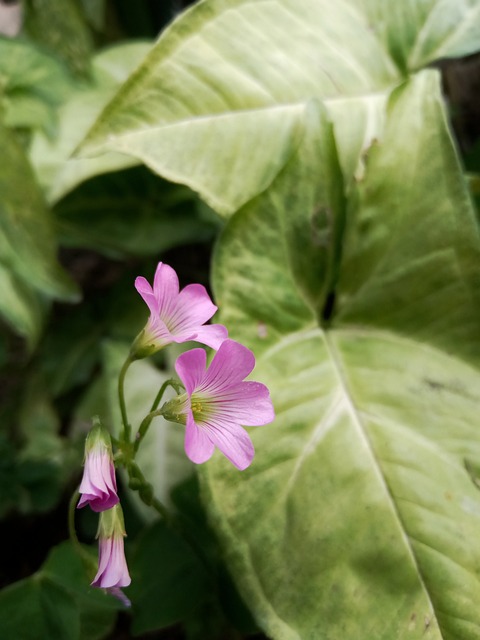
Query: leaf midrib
x,y
337,366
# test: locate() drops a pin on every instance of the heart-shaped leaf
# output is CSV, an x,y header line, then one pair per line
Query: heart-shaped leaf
x,y
217,104
359,518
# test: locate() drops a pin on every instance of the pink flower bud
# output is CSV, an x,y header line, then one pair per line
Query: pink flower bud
x,y
112,567
99,486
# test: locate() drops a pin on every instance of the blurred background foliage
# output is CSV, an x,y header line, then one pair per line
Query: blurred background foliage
x,y
71,244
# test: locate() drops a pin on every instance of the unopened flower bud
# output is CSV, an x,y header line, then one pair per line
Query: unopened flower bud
x,y
99,486
112,567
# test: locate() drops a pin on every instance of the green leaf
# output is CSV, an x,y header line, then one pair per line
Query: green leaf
x,y
97,609
9,485
416,33
272,133
359,517
27,241
25,111
168,580
21,307
131,212
218,104
428,289
33,83
57,602
94,11
60,26
70,350
56,172
26,69
38,608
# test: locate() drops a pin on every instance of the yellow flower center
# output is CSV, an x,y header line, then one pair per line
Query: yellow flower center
x,y
196,408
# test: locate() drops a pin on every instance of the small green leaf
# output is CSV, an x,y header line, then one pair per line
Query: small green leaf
x,y
26,69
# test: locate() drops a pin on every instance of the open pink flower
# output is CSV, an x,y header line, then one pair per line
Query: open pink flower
x,y
175,316
112,567
99,486
218,401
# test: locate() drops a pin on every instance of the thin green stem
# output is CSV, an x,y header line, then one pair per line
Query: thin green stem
x,y
177,386
168,383
121,399
86,557
162,510
142,430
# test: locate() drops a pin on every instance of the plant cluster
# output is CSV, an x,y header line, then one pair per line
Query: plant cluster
x,y
296,158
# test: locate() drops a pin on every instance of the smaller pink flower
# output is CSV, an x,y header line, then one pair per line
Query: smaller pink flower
x,y
218,402
99,486
175,316
112,567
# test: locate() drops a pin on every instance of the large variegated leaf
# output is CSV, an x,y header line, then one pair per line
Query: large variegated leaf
x,y
359,517
216,103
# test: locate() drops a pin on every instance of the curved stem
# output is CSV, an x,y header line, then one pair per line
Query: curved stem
x,y
142,430
86,557
154,412
171,382
161,509
121,398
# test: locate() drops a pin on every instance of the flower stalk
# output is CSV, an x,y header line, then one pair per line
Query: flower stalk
x,y
213,403
121,399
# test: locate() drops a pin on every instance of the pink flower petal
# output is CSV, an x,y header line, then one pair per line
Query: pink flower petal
x,y
247,403
232,440
158,330
165,288
116,592
221,401
212,335
112,566
98,487
230,365
198,447
175,316
193,306
145,290
190,367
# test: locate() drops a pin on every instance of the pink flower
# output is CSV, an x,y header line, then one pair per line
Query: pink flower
x,y
175,316
112,567
218,402
99,486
